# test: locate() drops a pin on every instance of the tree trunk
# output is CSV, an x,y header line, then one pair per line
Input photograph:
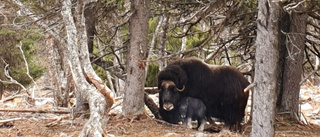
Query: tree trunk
x,y
133,103
81,71
162,42
1,90
89,14
56,72
153,43
294,56
266,65
117,61
184,40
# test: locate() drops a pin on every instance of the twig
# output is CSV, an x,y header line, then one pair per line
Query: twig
x,y
35,111
166,123
292,6
27,67
303,119
8,120
7,99
309,75
249,87
12,81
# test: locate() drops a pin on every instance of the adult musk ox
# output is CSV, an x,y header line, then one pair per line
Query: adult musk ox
x,y
221,88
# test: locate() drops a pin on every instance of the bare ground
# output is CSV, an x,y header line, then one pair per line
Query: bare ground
x,y
28,124
42,125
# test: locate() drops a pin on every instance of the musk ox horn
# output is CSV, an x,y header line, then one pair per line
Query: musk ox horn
x,y
183,87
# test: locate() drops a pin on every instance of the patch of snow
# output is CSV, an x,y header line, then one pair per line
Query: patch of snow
x,y
306,106
42,101
111,135
201,134
62,134
317,122
170,135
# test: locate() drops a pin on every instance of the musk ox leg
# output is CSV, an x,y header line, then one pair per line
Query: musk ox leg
x,y
188,123
201,125
235,127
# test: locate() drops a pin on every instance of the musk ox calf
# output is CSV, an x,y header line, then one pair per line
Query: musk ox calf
x,y
192,109
220,88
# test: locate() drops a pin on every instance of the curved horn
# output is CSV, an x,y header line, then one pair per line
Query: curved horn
x,y
183,87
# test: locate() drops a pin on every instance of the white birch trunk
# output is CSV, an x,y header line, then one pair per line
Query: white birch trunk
x,y
152,44
97,102
184,41
162,42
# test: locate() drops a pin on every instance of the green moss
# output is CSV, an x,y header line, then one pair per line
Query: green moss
x,y
6,32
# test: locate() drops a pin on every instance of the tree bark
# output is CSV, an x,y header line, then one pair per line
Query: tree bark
x,y
117,61
294,56
55,71
1,90
153,43
184,40
133,103
267,56
98,96
162,42
90,17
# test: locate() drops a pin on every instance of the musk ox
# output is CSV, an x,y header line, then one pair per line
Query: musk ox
x,y
221,88
192,109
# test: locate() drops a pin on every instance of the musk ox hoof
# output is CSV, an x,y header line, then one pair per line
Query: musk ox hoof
x,y
189,125
200,128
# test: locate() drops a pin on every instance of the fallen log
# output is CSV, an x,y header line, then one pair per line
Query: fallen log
x,y
151,90
35,111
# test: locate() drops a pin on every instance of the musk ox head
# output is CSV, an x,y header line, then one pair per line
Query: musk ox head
x,y
169,95
171,82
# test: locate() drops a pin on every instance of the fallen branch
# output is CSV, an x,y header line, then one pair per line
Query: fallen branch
x,y
253,84
153,107
9,120
166,123
7,99
35,111
151,90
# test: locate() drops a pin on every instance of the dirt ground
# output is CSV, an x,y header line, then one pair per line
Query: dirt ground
x,y
53,125
45,124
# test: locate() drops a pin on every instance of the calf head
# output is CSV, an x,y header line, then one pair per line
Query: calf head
x,y
183,108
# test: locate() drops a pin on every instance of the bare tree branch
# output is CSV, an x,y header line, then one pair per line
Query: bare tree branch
x,y
27,68
12,80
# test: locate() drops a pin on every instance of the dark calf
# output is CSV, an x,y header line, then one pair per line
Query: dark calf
x,y
192,109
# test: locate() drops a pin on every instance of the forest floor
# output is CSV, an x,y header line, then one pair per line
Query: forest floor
x,y
48,124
